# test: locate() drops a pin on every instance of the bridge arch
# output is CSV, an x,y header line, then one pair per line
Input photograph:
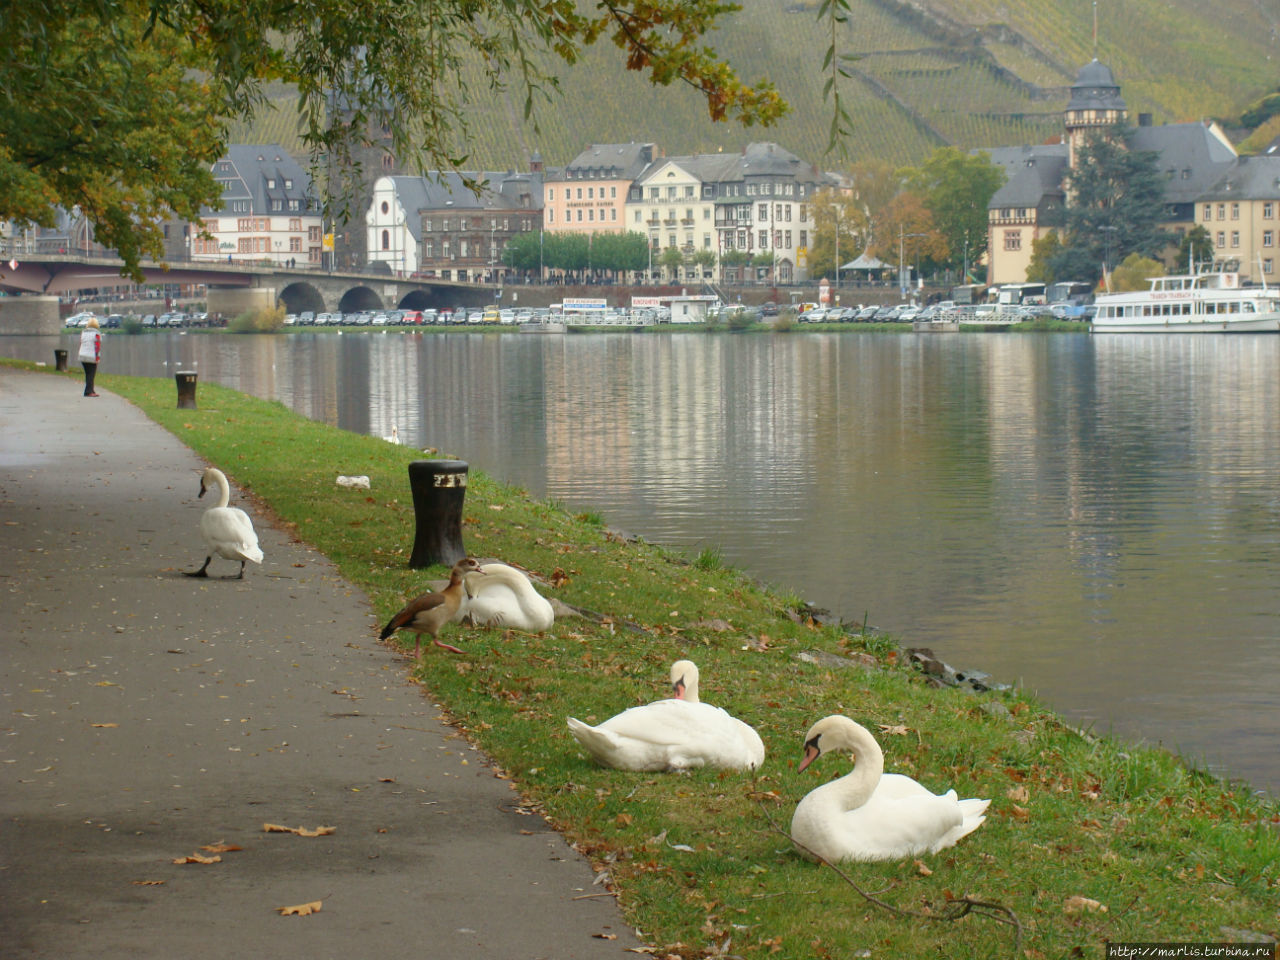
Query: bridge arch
x,y
359,298
300,296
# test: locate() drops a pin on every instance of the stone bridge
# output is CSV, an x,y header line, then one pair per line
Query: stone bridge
x,y
31,286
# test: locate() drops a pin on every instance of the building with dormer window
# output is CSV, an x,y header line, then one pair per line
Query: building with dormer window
x,y
589,195
267,215
1192,156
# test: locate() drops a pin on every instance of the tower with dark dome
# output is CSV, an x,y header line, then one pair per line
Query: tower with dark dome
x,y
1095,104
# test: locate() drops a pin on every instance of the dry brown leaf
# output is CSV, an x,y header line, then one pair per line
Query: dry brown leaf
x,y
923,869
605,936
1082,905
894,730
301,910
1018,794
196,858
221,847
104,726
623,819
147,883
299,831
1019,813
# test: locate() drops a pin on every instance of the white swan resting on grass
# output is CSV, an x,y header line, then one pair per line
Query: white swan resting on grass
x,y
502,596
870,815
227,531
672,734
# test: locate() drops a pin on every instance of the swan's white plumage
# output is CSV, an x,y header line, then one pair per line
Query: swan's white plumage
x,y
868,815
502,596
672,734
227,531
395,435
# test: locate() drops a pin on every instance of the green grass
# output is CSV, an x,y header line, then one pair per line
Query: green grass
x,y
1172,854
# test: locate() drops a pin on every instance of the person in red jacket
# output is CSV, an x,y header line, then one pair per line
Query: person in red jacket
x,y
90,353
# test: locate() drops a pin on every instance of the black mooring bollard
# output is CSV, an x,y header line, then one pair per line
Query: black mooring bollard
x,y
186,389
60,361
439,487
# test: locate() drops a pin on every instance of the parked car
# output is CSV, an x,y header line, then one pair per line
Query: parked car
x,y
867,313
114,321
816,315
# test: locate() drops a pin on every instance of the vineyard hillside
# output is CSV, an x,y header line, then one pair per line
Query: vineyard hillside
x,y
972,73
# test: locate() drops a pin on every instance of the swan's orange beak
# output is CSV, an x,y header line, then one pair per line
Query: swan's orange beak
x,y
811,753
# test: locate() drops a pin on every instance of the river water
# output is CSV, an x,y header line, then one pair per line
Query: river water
x,y
1095,518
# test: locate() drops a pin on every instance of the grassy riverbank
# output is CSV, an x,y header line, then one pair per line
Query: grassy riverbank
x,y
1086,840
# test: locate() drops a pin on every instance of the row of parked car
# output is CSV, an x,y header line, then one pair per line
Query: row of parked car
x,y
113,321
872,313
397,318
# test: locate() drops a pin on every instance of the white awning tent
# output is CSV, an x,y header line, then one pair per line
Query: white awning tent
x,y
865,262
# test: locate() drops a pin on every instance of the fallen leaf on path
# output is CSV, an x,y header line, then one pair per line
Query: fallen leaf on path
x,y
147,883
104,725
196,858
221,847
605,936
301,910
299,831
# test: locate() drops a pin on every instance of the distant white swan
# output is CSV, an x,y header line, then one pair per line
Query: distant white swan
x,y
502,596
672,734
227,531
395,435
870,815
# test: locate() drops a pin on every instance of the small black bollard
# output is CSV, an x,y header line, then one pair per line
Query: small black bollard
x,y
439,487
60,361
186,389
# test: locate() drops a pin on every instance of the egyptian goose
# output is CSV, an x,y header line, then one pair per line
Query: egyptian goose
x,y
431,611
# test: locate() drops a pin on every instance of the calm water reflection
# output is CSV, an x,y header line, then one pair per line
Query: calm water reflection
x,y
1097,518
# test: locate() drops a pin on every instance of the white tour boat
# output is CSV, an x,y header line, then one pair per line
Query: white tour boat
x,y
1211,301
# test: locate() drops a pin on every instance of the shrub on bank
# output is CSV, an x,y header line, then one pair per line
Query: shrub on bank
x,y
266,320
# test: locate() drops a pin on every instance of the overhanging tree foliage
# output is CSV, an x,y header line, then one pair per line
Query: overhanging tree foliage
x,y
391,66
1115,205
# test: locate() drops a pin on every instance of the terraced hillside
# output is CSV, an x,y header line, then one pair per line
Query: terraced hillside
x,y
965,72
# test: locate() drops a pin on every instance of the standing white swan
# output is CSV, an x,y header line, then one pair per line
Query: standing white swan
x,y
227,531
672,734
502,596
869,815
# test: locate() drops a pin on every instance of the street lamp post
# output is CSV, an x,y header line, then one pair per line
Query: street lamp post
x,y
902,283
1109,233
836,208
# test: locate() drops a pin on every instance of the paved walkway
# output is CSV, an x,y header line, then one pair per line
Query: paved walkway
x,y
146,715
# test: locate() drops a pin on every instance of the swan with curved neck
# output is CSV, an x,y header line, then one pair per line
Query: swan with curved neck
x,y
227,531
499,595
674,734
868,815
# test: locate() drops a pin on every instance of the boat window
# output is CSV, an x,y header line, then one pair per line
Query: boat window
x,y
1248,307
1235,307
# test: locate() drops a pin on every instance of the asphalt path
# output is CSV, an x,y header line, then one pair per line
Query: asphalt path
x,y
148,716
